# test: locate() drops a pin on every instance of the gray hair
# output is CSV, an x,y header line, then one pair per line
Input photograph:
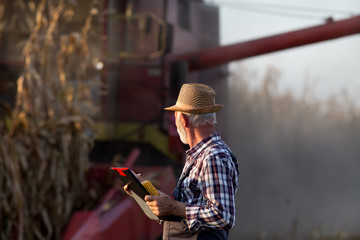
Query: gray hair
x,y
198,120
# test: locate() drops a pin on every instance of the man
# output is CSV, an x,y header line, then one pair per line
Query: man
x,y
205,194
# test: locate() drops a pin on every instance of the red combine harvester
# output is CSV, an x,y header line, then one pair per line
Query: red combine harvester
x,y
139,40
145,80
148,50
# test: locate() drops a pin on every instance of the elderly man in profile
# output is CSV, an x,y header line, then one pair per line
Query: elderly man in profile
x,y
205,194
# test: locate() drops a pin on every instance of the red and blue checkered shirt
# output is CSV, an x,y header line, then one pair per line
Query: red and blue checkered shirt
x,y
209,189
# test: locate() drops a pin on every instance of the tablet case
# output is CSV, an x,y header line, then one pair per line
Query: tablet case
x,y
139,192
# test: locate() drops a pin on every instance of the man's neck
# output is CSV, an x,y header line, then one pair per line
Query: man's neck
x,y
196,135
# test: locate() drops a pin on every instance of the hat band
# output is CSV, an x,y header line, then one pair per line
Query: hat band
x,y
185,106
182,107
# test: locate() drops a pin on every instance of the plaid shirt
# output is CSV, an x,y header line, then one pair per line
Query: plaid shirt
x,y
209,189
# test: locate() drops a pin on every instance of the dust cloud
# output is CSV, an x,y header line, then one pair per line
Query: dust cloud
x,y
298,159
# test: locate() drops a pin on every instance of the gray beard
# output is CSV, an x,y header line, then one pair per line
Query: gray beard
x,y
182,133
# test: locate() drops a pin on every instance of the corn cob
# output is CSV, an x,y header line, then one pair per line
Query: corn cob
x,y
150,188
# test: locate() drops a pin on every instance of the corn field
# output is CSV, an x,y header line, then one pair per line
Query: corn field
x,y
298,159
45,139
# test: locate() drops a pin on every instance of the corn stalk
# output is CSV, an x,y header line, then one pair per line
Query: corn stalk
x,y
44,147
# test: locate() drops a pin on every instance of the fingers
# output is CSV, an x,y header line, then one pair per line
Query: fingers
x,y
152,202
149,198
160,205
126,187
127,190
138,176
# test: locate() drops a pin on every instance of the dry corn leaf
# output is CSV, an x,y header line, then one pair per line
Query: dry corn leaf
x,y
38,144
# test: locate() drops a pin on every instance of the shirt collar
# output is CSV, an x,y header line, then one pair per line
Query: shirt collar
x,y
202,144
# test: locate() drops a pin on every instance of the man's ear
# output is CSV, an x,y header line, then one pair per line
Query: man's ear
x,y
184,120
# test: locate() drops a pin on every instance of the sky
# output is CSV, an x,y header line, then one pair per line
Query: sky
x,y
327,67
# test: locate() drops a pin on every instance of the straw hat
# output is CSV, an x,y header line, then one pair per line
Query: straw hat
x,y
196,98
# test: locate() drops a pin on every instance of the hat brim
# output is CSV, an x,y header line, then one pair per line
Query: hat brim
x,y
200,110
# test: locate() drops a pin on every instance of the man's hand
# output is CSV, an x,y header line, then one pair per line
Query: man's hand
x,y
164,205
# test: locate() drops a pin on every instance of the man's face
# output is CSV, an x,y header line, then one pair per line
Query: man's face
x,y
180,128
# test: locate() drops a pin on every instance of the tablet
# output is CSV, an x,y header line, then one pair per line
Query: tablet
x,y
126,176
139,192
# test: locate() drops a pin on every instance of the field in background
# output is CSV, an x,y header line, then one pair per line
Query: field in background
x,y
299,161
